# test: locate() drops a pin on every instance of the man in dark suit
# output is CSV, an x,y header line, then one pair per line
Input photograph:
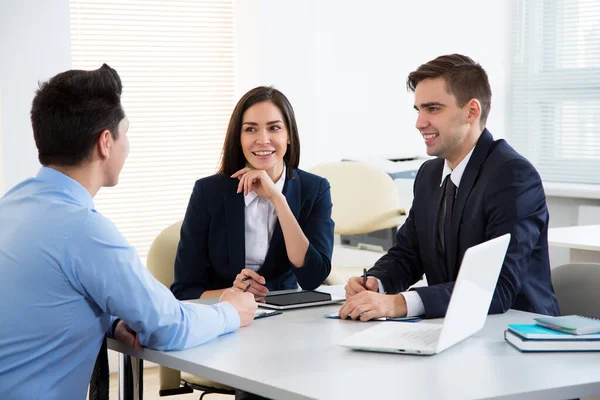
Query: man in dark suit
x,y
477,189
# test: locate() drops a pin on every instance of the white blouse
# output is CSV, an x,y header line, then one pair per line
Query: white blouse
x,y
260,218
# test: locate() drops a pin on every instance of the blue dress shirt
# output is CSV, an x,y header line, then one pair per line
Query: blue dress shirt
x,y
66,273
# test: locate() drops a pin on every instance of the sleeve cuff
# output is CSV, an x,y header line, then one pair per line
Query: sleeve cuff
x,y
232,318
380,286
414,304
112,326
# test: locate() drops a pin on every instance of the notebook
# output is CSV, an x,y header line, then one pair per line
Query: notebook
x,y
534,331
336,315
573,324
534,345
467,310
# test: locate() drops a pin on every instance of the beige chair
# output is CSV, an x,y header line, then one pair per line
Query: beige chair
x,y
161,259
576,287
365,199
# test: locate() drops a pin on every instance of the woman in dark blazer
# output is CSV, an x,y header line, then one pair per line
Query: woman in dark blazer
x,y
260,222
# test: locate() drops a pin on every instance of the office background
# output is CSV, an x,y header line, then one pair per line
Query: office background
x,y
343,65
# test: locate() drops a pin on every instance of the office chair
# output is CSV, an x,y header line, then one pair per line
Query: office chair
x,y
161,261
575,286
365,199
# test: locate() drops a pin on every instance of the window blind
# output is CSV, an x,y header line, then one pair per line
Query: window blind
x,y
176,61
555,94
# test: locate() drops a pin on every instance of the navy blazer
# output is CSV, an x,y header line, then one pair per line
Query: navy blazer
x,y
500,192
211,249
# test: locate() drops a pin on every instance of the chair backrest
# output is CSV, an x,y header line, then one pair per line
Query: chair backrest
x,y
365,198
576,287
161,256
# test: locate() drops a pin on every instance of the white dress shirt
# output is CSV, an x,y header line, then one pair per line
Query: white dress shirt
x,y
414,303
260,219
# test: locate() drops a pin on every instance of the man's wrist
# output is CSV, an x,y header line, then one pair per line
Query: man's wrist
x,y
399,306
114,327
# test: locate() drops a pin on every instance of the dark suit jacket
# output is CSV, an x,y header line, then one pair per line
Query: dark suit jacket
x,y
500,192
211,250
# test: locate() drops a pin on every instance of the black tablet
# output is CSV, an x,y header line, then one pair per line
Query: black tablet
x,y
302,298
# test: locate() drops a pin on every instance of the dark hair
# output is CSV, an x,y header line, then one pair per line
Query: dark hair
x,y
71,110
232,159
465,79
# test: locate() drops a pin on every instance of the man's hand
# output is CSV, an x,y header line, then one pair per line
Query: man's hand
x,y
243,302
355,285
124,334
367,305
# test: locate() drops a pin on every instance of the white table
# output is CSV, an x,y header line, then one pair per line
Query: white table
x,y
583,241
294,356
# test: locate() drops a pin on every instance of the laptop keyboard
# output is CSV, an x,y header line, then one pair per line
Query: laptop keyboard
x,y
418,334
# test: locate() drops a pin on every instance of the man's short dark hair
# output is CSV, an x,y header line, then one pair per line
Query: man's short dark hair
x,y
233,159
71,110
465,79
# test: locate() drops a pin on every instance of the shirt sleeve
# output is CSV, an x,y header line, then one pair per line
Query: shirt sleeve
x,y
102,266
414,303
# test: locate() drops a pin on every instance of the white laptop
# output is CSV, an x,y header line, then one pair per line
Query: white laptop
x,y
467,311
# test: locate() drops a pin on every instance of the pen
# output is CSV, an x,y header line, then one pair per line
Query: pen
x,y
365,277
244,279
246,288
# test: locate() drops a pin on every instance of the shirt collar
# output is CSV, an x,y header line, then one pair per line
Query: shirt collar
x,y
67,185
249,198
457,173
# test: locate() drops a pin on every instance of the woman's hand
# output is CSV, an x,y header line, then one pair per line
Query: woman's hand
x,y
256,282
257,180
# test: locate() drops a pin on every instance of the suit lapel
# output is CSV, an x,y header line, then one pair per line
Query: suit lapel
x,y
292,193
467,182
234,220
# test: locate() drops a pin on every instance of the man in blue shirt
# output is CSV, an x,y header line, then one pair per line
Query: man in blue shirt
x,y
67,273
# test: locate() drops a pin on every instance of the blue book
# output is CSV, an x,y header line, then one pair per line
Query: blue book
x,y
538,332
572,324
555,343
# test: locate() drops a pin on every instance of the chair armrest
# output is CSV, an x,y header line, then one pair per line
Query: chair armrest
x,y
169,378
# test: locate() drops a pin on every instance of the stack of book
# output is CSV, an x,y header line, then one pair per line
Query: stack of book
x,y
569,333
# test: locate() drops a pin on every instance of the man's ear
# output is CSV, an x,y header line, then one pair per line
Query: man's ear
x,y
104,144
474,107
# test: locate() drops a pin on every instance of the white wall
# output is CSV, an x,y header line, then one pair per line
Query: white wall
x,y
344,63
34,45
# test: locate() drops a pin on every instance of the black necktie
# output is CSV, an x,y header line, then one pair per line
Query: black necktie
x,y
450,195
99,383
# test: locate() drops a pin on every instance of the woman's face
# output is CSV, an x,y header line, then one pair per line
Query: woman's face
x,y
264,138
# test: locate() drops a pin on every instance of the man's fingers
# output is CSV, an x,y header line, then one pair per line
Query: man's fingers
x,y
355,286
367,315
136,342
358,310
372,284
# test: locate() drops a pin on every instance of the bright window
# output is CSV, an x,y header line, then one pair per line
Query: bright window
x,y
556,87
176,61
